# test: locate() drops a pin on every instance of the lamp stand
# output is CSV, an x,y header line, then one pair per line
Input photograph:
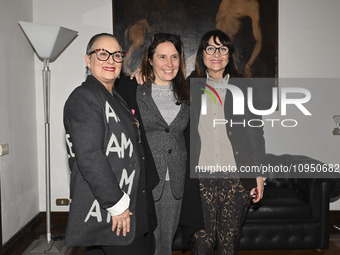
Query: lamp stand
x,y
49,42
45,246
46,89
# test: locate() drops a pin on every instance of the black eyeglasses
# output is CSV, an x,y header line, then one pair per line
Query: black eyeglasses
x,y
103,55
211,49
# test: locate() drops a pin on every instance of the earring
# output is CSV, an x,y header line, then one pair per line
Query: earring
x,y
88,71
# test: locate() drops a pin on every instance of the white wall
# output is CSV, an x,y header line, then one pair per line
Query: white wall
x,y
309,48
18,169
67,72
308,36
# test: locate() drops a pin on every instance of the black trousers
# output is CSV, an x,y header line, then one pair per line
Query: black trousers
x,y
225,203
142,245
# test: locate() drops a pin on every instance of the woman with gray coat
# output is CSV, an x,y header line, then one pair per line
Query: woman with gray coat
x,y
163,104
112,210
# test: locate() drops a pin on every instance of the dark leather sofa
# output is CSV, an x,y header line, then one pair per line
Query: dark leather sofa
x,y
294,213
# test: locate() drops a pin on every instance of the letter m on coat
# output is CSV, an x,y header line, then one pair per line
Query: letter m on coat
x,y
127,180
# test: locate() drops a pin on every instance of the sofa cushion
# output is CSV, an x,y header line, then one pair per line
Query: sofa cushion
x,y
280,204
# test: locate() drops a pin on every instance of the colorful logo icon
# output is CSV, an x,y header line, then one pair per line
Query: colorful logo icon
x,y
204,98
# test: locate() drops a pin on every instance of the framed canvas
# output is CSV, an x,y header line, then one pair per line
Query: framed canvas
x,y
251,24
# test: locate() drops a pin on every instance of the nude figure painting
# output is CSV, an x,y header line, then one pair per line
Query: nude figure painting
x,y
251,24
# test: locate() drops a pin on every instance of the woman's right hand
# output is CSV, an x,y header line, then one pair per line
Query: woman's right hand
x,y
138,75
122,222
257,193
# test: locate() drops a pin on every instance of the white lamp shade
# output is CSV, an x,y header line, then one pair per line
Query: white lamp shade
x,y
48,41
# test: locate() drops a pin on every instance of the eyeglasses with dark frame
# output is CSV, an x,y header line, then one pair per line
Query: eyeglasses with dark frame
x,y
103,55
211,49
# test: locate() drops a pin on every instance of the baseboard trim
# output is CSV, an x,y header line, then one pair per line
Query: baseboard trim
x,y
9,247
56,217
28,230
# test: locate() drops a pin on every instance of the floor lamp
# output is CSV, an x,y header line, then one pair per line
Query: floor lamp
x,y
48,42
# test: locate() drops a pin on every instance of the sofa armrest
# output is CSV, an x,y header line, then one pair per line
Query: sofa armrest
x,y
316,192
307,187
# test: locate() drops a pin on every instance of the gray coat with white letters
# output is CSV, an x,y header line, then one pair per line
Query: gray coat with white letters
x,y
104,160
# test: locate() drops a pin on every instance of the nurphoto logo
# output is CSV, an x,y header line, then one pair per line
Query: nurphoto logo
x,y
280,98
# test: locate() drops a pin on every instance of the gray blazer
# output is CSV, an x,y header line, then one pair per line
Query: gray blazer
x,y
166,142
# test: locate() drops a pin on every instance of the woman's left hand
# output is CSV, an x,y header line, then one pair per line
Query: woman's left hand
x,y
121,222
257,193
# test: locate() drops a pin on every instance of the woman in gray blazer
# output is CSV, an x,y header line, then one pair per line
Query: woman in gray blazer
x,y
163,104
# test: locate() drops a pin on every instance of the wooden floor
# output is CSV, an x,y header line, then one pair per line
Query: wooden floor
x,y
334,247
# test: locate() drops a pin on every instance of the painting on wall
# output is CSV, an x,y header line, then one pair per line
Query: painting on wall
x,y
251,24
